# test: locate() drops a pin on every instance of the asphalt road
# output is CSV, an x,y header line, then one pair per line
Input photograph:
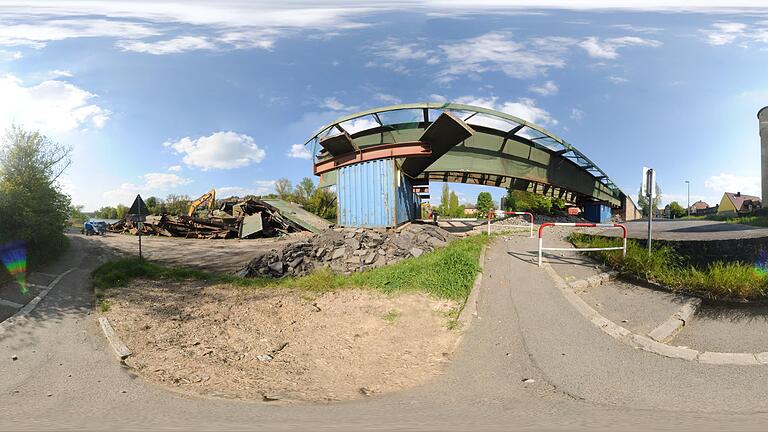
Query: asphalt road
x,y
66,377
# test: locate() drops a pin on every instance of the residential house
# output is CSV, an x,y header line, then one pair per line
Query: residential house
x,y
470,210
738,203
699,207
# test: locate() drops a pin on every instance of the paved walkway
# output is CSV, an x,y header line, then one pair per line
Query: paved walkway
x,y
66,377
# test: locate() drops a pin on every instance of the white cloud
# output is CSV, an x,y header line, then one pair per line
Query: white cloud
x,y
546,89
608,48
171,46
749,185
220,150
498,51
387,99
726,33
525,108
395,54
37,33
153,184
261,187
359,124
437,98
59,73
174,168
617,80
299,151
51,106
577,114
333,104
638,29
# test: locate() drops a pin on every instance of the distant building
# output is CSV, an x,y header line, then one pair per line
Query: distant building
x,y
699,207
470,210
738,203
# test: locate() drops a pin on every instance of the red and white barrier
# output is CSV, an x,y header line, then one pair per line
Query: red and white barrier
x,y
499,213
585,225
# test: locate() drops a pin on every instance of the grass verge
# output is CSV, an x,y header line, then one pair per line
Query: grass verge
x,y
753,220
446,273
665,267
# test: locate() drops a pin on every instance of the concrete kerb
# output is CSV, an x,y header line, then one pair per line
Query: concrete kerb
x,y
646,343
114,340
469,308
666,330
22,313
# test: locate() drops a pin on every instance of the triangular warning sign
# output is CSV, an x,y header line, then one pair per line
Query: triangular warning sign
x,y
139,208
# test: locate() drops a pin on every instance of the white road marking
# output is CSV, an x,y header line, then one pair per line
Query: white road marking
x,y
22,313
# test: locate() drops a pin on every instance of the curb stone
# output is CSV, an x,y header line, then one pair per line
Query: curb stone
x,y
469,309
645,343
117,344
666,330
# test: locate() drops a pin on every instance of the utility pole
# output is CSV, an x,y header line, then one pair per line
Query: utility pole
x,y
688,182
649,190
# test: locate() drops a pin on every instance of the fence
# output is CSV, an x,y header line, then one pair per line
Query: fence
x,y
499,212
582,225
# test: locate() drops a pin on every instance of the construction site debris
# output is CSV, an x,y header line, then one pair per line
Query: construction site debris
x,y
248,218
347,250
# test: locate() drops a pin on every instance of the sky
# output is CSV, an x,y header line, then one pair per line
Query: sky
x,y
166,98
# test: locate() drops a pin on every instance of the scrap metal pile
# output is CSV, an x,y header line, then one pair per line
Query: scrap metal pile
x,y
250,218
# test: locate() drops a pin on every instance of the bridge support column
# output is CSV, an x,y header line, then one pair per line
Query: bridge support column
x,y
375,194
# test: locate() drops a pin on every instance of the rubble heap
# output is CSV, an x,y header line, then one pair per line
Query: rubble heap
x,y
346,250
250,218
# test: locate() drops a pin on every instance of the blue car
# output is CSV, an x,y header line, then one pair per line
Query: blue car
x,y
94,228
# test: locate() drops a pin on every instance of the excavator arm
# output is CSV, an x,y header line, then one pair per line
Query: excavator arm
x,y
209,197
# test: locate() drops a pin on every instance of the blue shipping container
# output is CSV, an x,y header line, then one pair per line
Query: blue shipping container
x,y
597,213
375,194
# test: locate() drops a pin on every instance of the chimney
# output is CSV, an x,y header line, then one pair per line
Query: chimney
x,y
738,194
762,116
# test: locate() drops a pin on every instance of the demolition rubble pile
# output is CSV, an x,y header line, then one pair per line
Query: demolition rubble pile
x,y
524,220
245,219
346,250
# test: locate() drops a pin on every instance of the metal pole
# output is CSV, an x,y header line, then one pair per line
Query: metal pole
x,y
689,196
141,258
649,192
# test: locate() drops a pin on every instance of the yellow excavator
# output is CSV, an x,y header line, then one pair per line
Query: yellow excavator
x,y
208,197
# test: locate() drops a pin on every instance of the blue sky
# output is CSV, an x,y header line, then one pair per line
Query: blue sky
x,y
156,98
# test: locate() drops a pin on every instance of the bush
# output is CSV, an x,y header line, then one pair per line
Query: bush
x,y
32,207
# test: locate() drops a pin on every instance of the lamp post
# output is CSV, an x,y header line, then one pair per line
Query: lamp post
x,y
688,182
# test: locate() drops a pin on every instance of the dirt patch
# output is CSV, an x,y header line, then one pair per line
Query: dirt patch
x,y
270,344
225,256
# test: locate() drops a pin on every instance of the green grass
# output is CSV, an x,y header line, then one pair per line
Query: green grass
x,y
446,273
104,305
717,280
390,316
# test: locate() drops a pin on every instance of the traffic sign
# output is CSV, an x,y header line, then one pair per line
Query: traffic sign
x,y
138,210
648,185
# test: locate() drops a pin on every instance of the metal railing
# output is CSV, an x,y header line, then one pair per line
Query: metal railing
x,y
499,212
582,225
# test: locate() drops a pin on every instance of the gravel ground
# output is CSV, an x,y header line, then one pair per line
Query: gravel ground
x,y
269,344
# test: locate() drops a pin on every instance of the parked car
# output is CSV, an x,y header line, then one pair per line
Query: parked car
x,y
94,228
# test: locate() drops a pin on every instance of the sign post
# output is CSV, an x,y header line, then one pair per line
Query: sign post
x,y
649,190
138,213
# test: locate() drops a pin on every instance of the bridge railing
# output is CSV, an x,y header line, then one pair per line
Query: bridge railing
x,y
622,248
499,213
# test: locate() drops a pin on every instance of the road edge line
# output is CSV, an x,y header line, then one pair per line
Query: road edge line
x,y
114,340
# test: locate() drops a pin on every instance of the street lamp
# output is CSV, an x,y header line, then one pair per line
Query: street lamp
x,y
688,182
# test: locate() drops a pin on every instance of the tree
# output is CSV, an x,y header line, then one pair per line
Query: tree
x,y
176,204
304,191
284,189
444,200
76,215
323,203
642,201
484,204
152,205
676,210
32,207
519,200
453,205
